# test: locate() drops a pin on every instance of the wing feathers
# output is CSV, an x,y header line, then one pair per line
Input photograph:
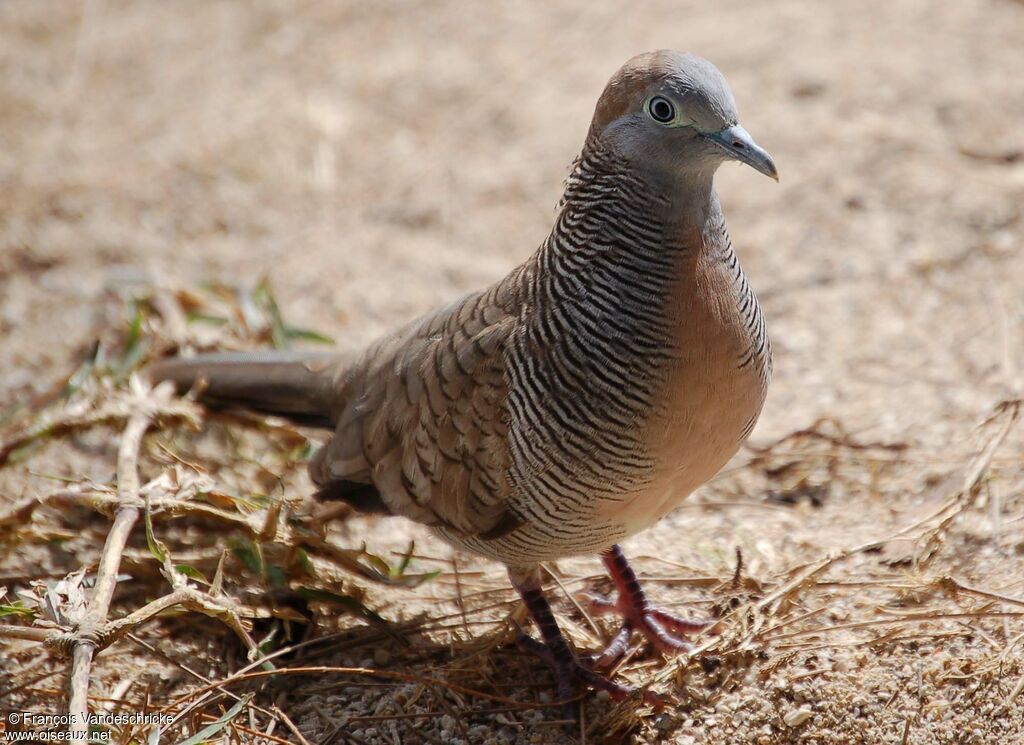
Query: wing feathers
x,y
427,419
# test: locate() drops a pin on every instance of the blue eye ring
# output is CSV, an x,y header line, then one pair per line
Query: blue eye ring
x,y
661,110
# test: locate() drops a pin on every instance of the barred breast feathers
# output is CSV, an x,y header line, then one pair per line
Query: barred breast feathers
x,y
589,358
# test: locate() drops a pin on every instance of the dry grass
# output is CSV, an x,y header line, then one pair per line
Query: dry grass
x,y
161,160
278,588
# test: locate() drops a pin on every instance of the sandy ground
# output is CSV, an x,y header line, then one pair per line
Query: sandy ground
x,y
376,159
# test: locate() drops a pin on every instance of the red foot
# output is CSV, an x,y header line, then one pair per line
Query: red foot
x,y
665,631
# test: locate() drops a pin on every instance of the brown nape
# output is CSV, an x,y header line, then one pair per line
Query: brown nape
x,y
625,91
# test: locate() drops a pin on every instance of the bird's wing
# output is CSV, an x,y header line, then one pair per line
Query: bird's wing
x,y
424,420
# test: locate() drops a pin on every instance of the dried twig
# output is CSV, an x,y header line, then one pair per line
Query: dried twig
x,y
29,633
87,412
85,644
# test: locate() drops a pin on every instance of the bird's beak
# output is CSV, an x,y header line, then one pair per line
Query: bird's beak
x,y
740,146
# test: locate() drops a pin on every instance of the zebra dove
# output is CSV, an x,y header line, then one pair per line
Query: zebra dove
x,y
579,399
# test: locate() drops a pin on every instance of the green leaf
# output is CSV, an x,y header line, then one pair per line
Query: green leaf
x,y
135,344
156,548
316,337
212,729
199,317
55,477
269,643
378,570
17,608
302,557
253,502
332,598
191,573
263,298
380,565
77,379
415,580
248,554
276,576
404,563
303,452
281,334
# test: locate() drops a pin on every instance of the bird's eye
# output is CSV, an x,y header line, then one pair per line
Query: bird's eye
x,y
661,110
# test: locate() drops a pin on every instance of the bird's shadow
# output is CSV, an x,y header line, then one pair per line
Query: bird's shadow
x,y
397,677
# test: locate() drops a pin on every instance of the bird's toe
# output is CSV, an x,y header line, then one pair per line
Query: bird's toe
x,y
666,632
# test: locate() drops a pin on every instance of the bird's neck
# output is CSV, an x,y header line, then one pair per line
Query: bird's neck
x,y
665,222
625,248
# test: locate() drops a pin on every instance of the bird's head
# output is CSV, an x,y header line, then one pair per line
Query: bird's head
x,y
673,112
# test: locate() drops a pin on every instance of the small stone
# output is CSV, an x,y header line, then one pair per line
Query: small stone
x,y
381,656
663,723
796,717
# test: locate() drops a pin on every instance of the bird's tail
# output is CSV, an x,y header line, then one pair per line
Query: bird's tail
x,y
298,386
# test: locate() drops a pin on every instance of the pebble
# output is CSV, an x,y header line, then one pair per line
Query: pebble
x,y
664,723
796,717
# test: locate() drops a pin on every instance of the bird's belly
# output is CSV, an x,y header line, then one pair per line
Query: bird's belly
x,y
691,446
531,543
693,443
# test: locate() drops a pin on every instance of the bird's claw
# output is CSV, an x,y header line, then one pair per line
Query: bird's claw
x,y
576,673
665,631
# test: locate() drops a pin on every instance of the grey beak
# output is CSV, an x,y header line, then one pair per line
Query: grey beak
x,y
740,146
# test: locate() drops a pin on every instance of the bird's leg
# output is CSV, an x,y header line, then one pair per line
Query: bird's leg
x,y
569,671
665,631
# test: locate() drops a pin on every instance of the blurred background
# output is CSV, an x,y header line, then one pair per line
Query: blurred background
x,y
377,159
373,160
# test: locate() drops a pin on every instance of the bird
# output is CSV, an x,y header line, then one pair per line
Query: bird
x,y
575,401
